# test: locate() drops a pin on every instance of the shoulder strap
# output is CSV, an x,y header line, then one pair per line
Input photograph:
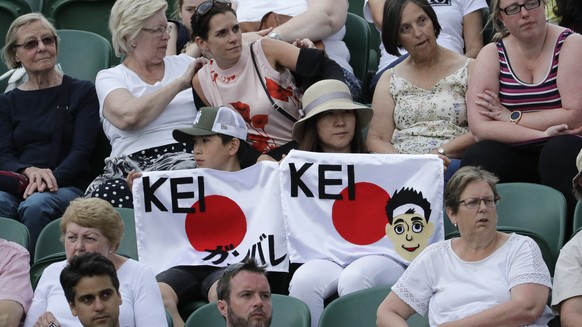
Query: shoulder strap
x,y
60,119
275,106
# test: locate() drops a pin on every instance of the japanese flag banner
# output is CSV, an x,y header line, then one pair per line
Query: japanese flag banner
x,y
210,217
341,207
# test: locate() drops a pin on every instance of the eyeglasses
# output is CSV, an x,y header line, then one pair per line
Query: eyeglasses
x,y
515,8
474,203
33,44
203,8
158,31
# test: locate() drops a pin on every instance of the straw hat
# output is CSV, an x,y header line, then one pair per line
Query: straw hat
x,y
325,95
213,120
576,180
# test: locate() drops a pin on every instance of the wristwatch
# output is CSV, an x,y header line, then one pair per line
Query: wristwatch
x,y
274,35
515,116
441,151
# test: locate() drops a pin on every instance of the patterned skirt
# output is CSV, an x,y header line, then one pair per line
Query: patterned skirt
x,y
112,186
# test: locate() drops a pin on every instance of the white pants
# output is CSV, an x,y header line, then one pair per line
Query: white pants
x,y
318,279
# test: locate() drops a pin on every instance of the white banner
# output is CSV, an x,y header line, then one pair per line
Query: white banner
x,y
336,206
210,217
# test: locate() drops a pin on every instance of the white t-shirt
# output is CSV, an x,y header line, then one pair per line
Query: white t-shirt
x,y
450,14
179,113
441,284
568,273
142,304
253,10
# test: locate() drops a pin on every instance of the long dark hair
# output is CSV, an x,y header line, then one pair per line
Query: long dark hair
x,y
201,23
310,140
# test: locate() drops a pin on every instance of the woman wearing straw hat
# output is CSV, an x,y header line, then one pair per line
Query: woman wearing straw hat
x,y
333,123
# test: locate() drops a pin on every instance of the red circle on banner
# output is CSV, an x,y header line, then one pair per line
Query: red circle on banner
x,y
361,221
223,223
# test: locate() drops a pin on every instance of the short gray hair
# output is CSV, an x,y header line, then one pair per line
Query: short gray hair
x,y
9,51
127,19
463,177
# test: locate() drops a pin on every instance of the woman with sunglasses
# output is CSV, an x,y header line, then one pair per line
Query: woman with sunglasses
x,y
49,126
524,102
241,74
481,278
142,100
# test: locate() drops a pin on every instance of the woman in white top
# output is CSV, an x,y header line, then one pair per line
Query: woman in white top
x,y
482,278
93,225
142,100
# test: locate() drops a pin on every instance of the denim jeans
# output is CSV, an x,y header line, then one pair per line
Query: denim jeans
x,y
37,210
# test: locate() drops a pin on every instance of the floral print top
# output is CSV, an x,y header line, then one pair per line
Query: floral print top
x,y
239,88
426,119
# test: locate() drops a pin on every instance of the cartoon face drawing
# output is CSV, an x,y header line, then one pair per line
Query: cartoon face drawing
x,y
408,225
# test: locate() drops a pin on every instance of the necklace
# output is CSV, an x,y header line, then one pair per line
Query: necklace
x,y
434,75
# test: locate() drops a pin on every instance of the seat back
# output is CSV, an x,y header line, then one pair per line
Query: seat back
x,y
128,244
287,312
359,309
577,224
49,241
357,39
94,50
35,5
38,267
354,309
14,231
86,15
9,11
535,207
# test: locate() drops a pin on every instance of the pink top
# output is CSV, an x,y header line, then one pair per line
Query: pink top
x,y
239,87
14,274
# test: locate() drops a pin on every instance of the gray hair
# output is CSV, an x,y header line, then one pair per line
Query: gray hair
x,y
9,51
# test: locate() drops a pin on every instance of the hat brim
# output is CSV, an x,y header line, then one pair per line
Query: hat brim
x,y
186,135
364,113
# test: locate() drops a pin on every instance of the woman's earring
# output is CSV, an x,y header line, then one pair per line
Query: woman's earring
x,y
455,225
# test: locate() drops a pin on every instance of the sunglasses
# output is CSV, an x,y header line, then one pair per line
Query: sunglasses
x,y
33,44
203,8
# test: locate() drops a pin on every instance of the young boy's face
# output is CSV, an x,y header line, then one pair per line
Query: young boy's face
x,y
209,152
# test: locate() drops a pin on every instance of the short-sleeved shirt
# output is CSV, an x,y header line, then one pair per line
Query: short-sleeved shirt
x,y
15,274
448,288
568,274
180,112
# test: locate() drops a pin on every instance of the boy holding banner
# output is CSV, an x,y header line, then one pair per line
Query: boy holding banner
x,y
218,134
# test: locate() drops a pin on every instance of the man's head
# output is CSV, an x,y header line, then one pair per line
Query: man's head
x,y
408,227
244,296
92,289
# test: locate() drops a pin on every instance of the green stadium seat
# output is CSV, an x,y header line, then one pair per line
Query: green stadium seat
x,y
83,54
14,231
9,11
357,39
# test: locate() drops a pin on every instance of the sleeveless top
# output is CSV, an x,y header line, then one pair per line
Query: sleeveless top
x,y
424,119
517,95
239,87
